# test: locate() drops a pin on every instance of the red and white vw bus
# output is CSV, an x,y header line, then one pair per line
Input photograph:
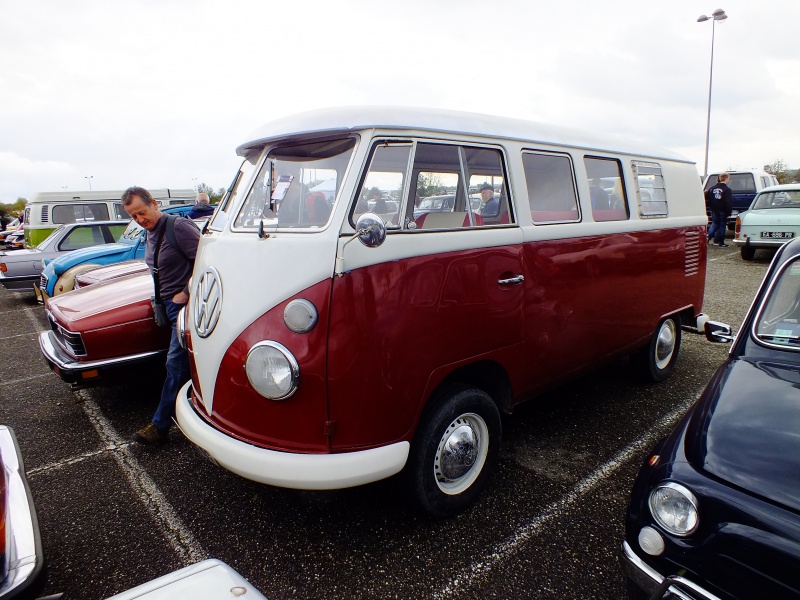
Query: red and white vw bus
x,y
343,330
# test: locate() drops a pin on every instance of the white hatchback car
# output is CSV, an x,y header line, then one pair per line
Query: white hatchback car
x,y
772,219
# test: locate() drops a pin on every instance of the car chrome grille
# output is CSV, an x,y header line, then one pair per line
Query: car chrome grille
x,y
42,282
70,341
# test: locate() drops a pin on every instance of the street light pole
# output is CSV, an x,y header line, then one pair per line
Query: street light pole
x,y
717,15
89,178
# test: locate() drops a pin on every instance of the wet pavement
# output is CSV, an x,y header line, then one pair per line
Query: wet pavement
x,y
114,514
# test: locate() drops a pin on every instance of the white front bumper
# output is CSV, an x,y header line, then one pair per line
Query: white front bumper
x,y
287,469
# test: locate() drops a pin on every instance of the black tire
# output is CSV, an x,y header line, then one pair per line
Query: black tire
x,y
748,253
656,361
443,488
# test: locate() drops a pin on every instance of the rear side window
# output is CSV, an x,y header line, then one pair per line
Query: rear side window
x,y
650,189
551,188
83,237
606,189
78,213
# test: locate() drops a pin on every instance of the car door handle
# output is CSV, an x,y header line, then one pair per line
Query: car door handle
x,y
515,280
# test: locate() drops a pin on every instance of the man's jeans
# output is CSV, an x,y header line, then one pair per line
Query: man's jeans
x,y
719,225
177,371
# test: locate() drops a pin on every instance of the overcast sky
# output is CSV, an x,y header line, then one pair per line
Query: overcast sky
x,y
159,93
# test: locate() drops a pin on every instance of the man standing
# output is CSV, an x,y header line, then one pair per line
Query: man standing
x,y
171,259
719,199
201,207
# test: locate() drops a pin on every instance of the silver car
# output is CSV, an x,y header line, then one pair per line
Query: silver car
x,y
21,268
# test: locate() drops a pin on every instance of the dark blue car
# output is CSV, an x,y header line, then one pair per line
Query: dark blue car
x,y
715,510
58,276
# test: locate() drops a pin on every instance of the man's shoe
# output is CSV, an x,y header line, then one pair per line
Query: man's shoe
x,y
150,434
724,245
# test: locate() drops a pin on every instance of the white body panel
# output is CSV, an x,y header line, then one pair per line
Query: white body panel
x,y
256,274
211,579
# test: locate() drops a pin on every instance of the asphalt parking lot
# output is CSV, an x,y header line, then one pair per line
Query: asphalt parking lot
x,y
114,515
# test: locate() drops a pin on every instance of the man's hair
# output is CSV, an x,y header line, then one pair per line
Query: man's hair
x,y
723,177
127,196
202,198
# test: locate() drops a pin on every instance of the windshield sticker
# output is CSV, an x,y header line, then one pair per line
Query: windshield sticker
x,y
284,181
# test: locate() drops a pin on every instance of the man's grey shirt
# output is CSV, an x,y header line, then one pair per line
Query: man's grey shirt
x,y
174,269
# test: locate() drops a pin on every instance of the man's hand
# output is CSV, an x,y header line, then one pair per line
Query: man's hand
x,y
180,298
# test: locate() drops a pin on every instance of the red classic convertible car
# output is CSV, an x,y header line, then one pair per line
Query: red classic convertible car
x,y
100,332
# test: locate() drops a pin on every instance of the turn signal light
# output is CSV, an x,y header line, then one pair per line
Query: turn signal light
x,y
3,267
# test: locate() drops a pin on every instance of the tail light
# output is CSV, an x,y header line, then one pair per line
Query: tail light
x,y
738,226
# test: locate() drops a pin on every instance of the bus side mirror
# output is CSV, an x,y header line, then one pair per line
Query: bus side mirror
x,y
371,230
718,332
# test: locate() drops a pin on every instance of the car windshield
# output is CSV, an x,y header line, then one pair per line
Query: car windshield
x,y
132,232
296,186
49,239
782,199
778,323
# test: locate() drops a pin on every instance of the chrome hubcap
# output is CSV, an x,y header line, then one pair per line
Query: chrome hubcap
x,y
665,345
461,453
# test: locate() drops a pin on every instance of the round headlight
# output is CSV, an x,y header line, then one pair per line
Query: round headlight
x,y
674,507
300,315
272,370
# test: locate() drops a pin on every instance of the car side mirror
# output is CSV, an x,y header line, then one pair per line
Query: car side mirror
x,y
718,332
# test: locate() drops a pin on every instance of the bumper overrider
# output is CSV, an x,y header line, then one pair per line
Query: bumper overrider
x,y
655,584
91,371
287,469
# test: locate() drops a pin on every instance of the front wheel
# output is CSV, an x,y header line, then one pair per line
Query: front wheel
x,y
656,361
454,451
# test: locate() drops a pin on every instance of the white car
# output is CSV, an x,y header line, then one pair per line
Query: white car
x,y
772,219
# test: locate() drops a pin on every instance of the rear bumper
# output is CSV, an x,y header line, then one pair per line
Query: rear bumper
x,y
82,373
655,584
19,284
287,469
761,243
26,573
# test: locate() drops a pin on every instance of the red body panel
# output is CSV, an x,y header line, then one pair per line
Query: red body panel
x,y
394,324
113,318
395,330
297,423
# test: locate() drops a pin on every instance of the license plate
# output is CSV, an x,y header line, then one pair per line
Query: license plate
x,y
777,235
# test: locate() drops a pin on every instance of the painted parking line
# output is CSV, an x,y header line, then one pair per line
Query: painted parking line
x,y
19,335
179,537
24,379
480,568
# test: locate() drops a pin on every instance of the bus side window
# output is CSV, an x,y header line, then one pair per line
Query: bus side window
x,y
551,188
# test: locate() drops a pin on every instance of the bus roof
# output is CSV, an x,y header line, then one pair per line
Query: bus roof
x,y
99,195
355,118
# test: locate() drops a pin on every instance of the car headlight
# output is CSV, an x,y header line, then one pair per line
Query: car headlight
x,y
272,370
674,508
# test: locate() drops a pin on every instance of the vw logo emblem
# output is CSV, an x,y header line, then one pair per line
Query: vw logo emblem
x,y
207,302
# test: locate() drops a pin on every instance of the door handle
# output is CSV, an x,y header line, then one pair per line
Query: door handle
x,y
517,279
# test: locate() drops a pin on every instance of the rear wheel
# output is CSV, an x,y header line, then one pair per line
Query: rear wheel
x,y
454,451
747,252
656,361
